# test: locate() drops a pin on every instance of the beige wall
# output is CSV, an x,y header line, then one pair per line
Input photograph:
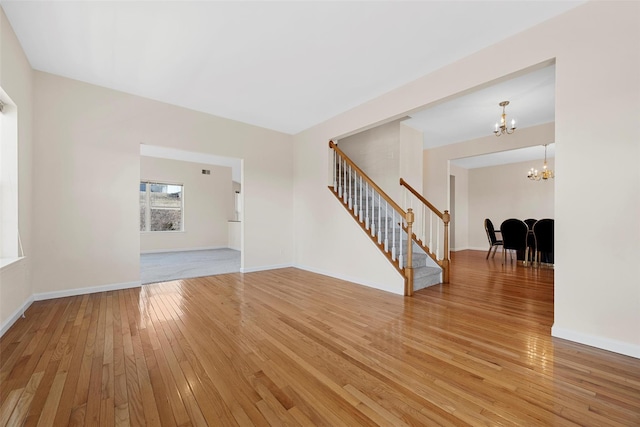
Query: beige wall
x,y
377,153
502,192
438,169
207,206
88,138
460,215
16,79
411,156
596,47
436,160
386,153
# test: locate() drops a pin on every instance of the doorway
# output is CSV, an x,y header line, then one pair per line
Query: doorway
x,y
190,217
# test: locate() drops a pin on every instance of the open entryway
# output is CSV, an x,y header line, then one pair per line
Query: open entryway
x,y
190,214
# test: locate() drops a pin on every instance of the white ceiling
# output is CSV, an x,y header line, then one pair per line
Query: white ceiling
x,y
281,65
531,102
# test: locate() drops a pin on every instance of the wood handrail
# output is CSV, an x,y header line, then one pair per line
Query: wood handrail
x,y
421,198
446,218
408,216
384,195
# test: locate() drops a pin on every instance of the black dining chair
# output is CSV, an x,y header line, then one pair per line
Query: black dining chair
x,y
494,242
531,240
514,238
543,231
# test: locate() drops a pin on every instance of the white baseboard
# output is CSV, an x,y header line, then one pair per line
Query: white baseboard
x,y
205,248
627,349
265,268
82,291
374,285
15,316
483,248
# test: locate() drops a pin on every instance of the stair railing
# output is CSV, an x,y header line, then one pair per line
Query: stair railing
x,y
375,212
433,240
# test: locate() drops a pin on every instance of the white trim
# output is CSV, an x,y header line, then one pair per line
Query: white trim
x,y
15,316
357,281
625,348
480,248
264,268
83,291
205,248
6,262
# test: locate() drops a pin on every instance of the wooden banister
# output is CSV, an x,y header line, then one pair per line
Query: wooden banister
x,y
421,198
408,283
406,268
384,195
445,262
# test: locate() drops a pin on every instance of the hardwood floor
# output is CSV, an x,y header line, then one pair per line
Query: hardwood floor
x,y
289,347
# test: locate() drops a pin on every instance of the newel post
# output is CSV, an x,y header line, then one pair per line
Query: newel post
x,y
408,270
445,260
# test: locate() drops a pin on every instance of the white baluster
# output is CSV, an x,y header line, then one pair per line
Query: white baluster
x,y
355,193
350,191
393,236
400,244
339,176
430,231
344,192
386,226
422,224
379,218
373,211
333,168
366,201
438,242
360,204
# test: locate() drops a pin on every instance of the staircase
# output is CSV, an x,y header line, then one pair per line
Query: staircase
x,y
389,226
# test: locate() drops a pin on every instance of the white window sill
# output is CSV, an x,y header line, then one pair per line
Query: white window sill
x,y
167,231
6,262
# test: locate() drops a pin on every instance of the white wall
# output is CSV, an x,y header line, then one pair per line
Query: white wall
x,y
502,192
16,79
207,205
87,138
597,51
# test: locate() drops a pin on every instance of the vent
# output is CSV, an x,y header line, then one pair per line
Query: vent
x,y
206,172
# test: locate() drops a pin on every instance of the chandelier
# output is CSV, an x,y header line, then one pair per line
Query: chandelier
x,y
545,173
502,129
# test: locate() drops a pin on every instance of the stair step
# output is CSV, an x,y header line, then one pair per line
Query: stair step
x,y
424,277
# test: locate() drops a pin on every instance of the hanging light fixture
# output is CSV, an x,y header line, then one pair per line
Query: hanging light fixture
x,y
544,174
502,129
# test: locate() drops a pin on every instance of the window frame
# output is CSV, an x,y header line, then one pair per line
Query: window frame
x,y
148,204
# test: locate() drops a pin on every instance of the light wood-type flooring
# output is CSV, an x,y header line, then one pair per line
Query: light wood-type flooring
x,y
289,347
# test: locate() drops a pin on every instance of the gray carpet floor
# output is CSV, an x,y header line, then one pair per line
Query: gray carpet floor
x,y
165,266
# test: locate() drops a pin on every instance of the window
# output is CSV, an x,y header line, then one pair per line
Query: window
x,y
10,247
161,207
